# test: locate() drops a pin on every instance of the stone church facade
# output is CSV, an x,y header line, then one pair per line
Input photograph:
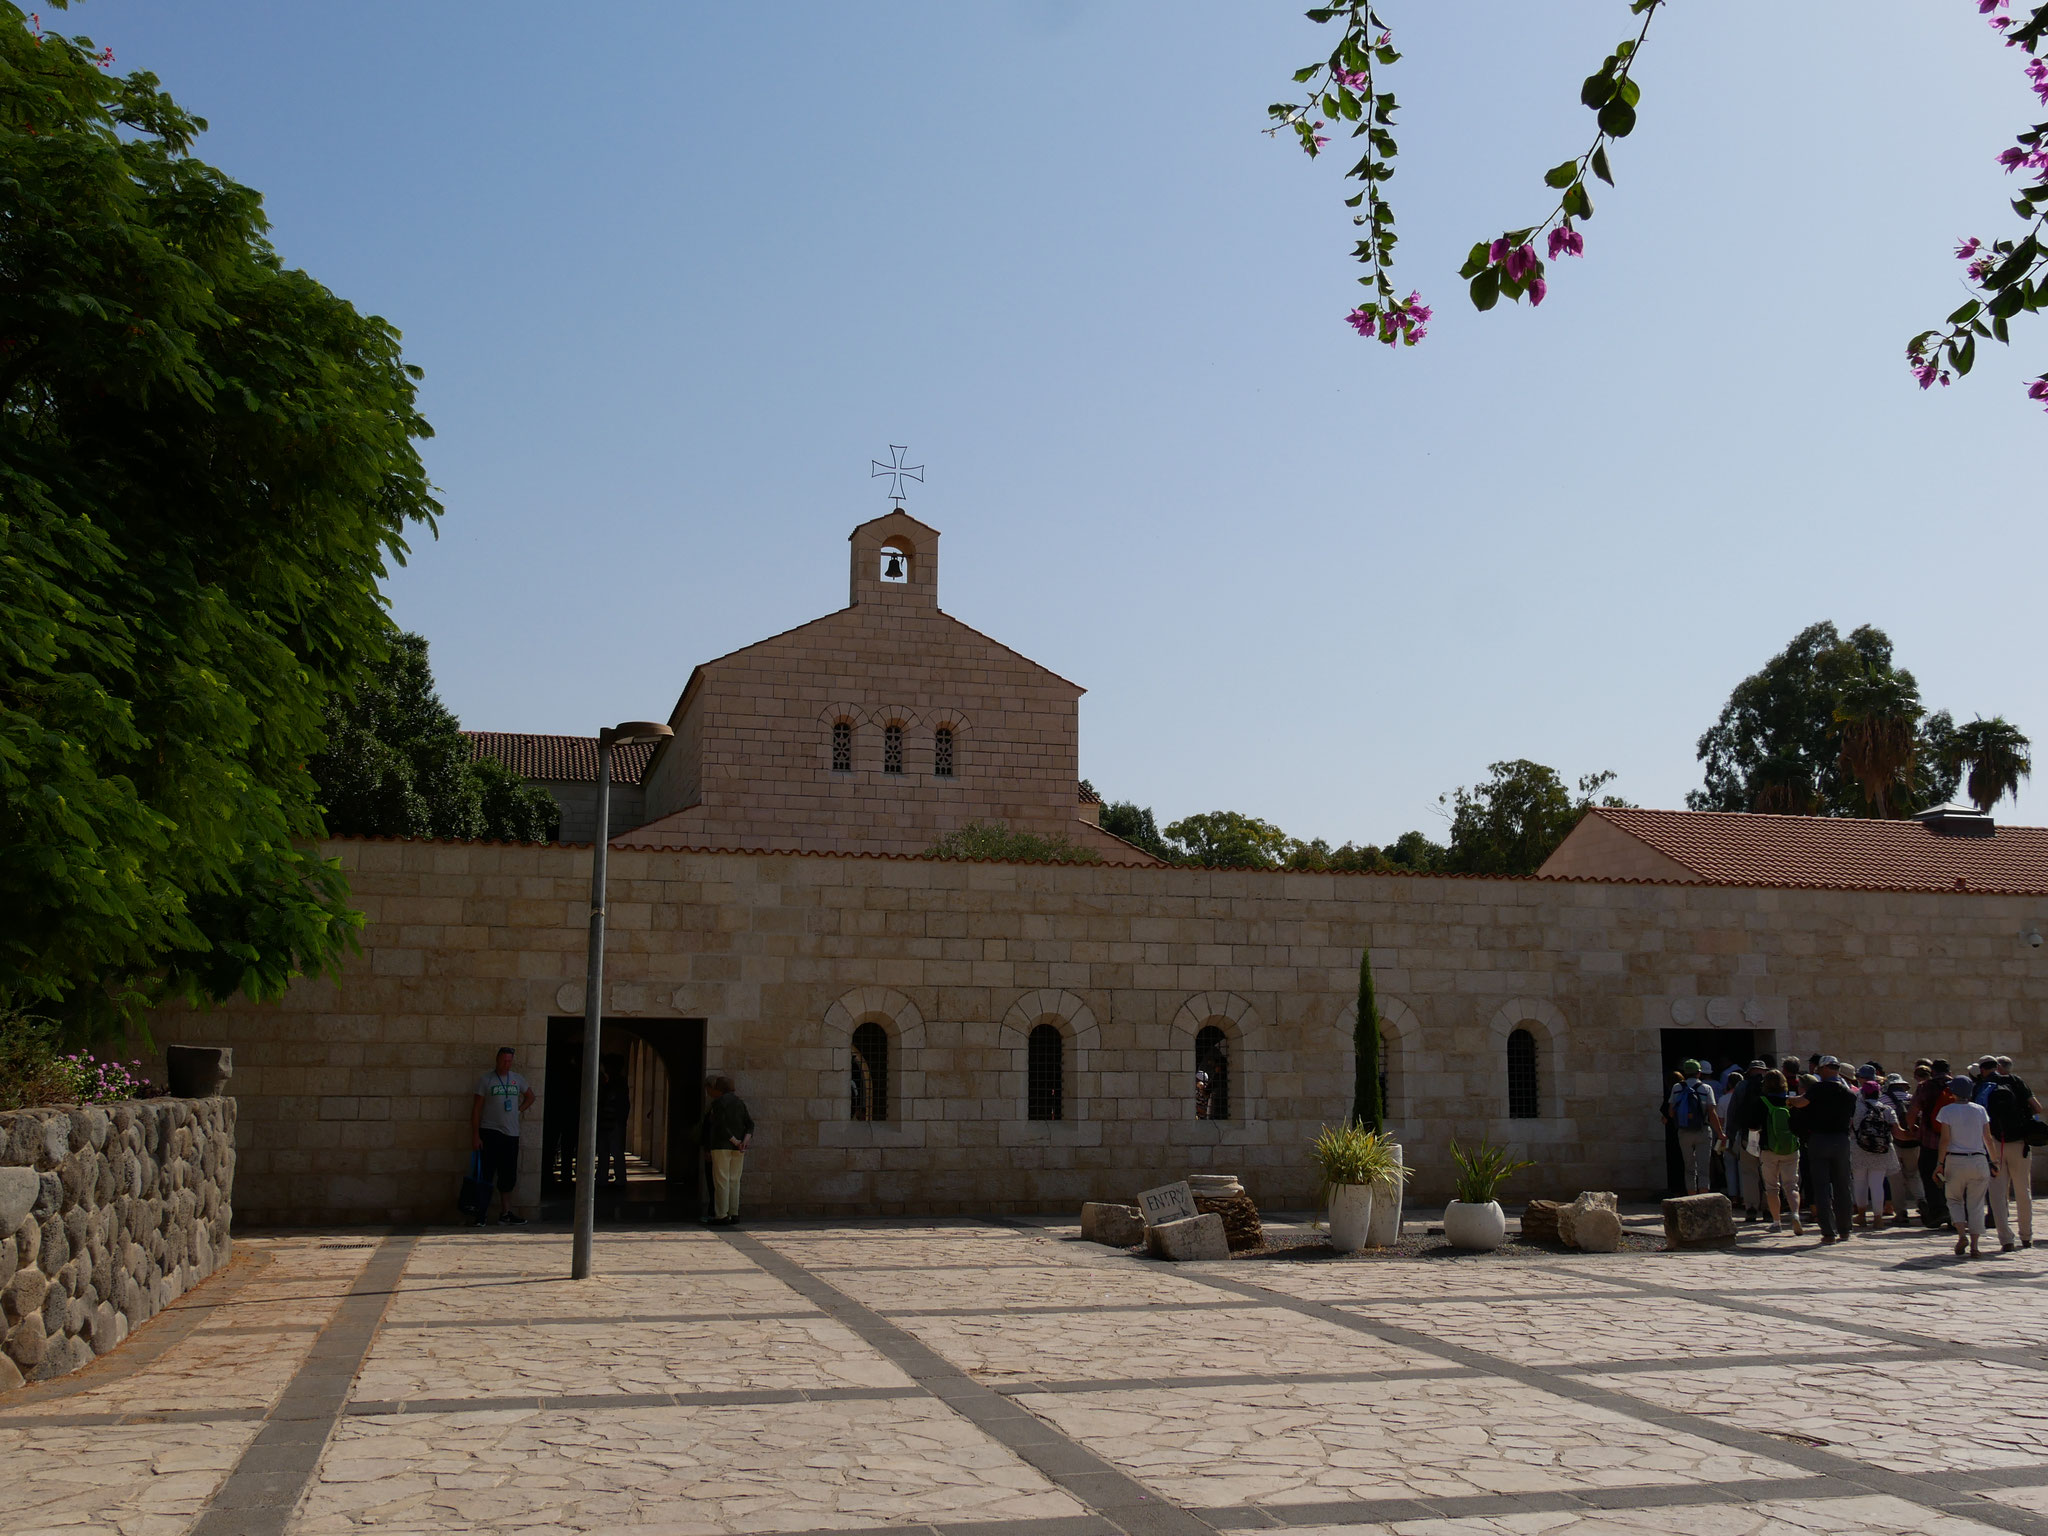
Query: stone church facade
x,y
916,1035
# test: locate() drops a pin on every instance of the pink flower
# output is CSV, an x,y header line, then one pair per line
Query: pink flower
x,y
1986,7
1497,252
1521,261
1537,289
2038,390
1968,248
1321,139
1360,321
1358,80
1565,241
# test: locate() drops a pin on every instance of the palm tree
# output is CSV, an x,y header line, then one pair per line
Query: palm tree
x,y
1998,756
1877,720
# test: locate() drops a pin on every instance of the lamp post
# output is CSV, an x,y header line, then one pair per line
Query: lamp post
x,y
629,734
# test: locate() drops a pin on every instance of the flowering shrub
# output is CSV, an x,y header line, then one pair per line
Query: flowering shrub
x,y
2009,275
32,1071
90,1081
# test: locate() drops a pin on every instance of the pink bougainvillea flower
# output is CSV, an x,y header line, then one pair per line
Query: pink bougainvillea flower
x,y
1566,242
1497,252
1968,248
2012,159
1360,320
1357,80
1537,289
1521,261
2038,390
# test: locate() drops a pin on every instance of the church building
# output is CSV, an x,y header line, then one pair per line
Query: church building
x,y
931,1035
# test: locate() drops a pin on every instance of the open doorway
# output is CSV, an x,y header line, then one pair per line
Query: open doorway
x,y
1714,1050
651,1096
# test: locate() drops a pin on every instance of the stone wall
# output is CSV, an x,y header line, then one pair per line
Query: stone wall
x,y
108,1214
355,1093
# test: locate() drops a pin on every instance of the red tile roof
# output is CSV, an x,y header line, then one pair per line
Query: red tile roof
x,y
562,759
1850,852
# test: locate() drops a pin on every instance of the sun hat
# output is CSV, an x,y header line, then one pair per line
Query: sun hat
x,y
1866,1073
1829,1061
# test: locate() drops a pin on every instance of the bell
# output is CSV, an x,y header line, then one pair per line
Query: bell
x,y
894,571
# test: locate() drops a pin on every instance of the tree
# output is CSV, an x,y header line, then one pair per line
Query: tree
x,y
2009,275
1877,723
1997,756
1514,821
1229,840
206,461
1366,1108
1125,819
994,840
1791,735
396,764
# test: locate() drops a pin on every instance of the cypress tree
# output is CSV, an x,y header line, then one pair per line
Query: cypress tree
x,y
1366,1108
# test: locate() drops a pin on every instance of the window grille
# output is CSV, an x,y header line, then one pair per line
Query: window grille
x,y
870,1072
1212,1074
1524,1103
1045,1063
842,746
942,755
892,749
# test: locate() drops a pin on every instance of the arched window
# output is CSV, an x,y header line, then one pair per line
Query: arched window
x,y
942,752
1212,1073
1524,1102
842,746
892,748
1045,1063
870,1072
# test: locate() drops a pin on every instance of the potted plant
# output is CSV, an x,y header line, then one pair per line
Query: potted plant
x,y
1475,1220
1354,1163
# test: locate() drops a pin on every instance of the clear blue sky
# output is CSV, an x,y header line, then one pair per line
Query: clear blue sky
x,y
676,273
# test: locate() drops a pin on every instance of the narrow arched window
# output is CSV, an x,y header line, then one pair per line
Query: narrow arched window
x,y
892,749
870,1072
1212,1073
1045,1065
1524,1102
842,746
942,752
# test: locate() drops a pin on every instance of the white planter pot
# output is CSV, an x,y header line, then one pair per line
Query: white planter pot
x,y
1385,1230
1350,1216
1481,1228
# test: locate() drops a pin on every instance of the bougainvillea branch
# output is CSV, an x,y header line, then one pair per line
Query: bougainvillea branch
x,y
1342,89
2010,275
1508,264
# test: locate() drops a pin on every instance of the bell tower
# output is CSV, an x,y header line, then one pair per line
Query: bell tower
x,y
895,561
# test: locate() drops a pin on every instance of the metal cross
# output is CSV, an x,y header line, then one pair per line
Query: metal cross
x,y
898,472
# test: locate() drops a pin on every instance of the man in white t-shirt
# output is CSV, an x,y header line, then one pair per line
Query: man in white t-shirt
x,y
1965,1167
501,1094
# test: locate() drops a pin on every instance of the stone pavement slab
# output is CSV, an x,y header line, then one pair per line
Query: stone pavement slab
x,y
996,1379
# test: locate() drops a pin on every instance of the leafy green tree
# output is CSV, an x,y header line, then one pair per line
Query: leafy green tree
x,y
1229,840
206,461
1318,854
1997,756
396,764
1366,1108
994,840
1413,851
1795,734
1135,825
1514,821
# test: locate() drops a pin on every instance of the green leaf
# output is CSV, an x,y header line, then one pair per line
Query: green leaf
x,y
1600,165
1306,74
1577,203
1475,263
1967,312
1562,175
1967,356
1486,289
1998,328
1597,91
1628,92
1617,119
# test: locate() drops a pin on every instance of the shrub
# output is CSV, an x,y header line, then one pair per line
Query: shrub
x,y
34,1069
994,840
1351,1154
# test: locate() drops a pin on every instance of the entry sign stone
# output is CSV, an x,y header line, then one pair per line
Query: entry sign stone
x,y
1169,1202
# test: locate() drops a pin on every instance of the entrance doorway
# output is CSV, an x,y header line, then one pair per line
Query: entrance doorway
x,y
1715,1050
657,1067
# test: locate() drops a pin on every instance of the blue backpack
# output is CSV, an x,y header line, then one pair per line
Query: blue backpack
x,y
1691,1113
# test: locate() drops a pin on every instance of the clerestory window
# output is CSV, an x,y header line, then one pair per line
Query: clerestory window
x,y
842,746
942,752
892,749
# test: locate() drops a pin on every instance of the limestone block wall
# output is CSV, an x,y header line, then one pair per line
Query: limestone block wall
x,y
355,1093
108,1214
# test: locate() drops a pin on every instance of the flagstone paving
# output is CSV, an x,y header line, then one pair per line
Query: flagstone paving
x,y
1003,1379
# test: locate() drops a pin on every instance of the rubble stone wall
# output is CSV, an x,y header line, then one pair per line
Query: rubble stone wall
x,y
108,1214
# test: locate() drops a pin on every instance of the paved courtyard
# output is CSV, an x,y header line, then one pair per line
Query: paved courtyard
x,y
1004,1380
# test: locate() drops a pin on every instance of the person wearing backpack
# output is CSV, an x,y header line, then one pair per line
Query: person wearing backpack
x,y
1929,1094
1873,1124
2011,1107
1698,1120
1778,1154
1906,1196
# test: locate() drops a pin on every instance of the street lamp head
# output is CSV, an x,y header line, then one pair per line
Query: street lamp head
x,y
632,733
